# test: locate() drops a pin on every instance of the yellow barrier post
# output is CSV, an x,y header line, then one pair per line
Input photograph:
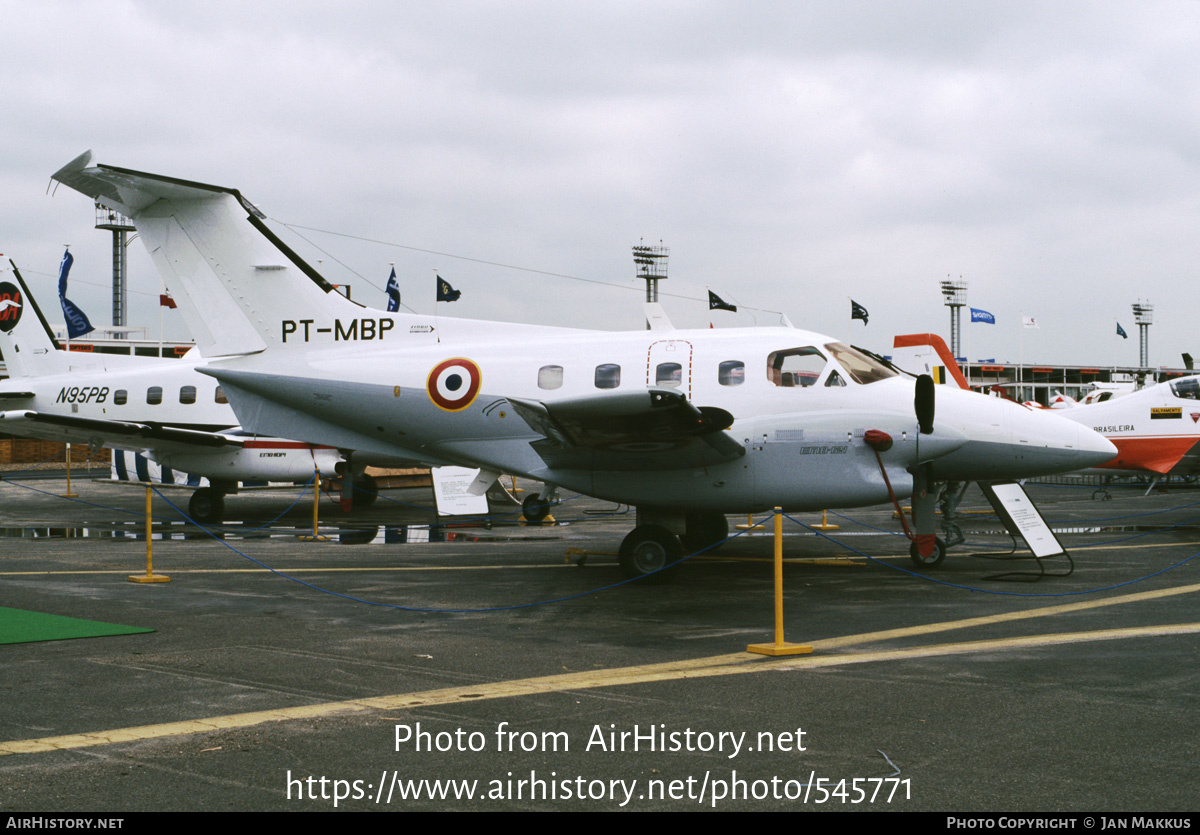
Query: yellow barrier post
x,y
824,525
315,536
750,524
69,494
150,576
780,647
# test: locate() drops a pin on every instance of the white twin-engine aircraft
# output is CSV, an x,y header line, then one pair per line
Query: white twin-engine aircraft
x,y
687,425
162,409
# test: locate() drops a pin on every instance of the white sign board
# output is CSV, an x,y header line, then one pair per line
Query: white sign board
x,y
1022,518
450,492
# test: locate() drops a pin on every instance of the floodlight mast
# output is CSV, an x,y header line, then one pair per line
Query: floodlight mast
x,y
1143,315
955,296
120,226
651,263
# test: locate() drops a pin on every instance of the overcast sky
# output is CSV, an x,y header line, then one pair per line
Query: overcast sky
x,y
792,155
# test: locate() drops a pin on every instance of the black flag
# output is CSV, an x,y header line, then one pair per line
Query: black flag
x,y
857,311
715,302
446,293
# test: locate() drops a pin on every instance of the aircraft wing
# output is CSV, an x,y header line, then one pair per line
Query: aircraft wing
x,y
120,434
654,429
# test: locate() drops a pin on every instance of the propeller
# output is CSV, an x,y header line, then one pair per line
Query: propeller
x,y
924,501
923,403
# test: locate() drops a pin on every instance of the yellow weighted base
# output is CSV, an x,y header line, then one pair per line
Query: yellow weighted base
x,y
780,649
549,520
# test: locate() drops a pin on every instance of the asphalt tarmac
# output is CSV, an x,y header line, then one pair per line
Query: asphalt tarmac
x,y
492,671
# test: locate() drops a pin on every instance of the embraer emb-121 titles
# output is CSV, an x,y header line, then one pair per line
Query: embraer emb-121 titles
x,y
686,425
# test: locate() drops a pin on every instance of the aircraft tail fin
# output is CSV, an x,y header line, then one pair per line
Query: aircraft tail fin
x,y
26,341
926,353
216,254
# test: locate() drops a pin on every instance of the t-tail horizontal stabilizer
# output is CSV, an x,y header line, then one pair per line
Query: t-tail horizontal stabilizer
x,y
214,250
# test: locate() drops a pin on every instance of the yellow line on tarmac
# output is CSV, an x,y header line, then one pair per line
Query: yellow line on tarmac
x,y
1040,612
292,570
1129,547
721,665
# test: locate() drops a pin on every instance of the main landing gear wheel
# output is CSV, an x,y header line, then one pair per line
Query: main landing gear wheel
x,y
535,508
704,531
648,549
206,505
933,560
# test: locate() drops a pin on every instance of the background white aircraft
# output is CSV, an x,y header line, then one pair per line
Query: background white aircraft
x,y
685,425
162,408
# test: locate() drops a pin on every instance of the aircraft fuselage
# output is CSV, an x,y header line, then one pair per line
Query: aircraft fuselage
x,y
801,403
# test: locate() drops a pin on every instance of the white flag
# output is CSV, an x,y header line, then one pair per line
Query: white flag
x,y
1029,322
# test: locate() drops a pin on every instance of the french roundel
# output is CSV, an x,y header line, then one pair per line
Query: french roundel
x,y
453,384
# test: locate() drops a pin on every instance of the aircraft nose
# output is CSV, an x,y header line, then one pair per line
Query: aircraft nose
x,y
1055,444
1093,447
1011,441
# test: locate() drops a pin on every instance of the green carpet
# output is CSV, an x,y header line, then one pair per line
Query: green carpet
x,y
18,626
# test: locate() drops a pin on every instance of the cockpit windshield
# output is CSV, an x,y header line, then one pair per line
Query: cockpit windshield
x,y
1188,388
862,368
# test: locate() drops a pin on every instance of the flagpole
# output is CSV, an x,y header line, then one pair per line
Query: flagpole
x,y
62,296
967,354
1020,353
162,286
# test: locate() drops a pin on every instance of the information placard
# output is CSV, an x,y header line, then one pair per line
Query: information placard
x,y
450,492
1022,518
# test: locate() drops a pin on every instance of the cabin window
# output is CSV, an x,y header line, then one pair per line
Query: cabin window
x,y
669,374
154,395
120,397
550,377
608,376
796,367
187,394
731,373
219,396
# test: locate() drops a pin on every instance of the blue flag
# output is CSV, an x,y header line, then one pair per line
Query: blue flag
x,y
1121,331
978,315
77,322
393,292
446,293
